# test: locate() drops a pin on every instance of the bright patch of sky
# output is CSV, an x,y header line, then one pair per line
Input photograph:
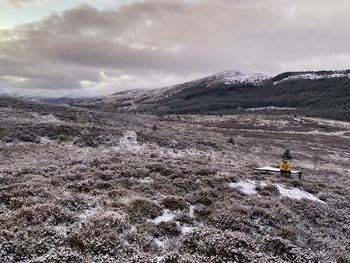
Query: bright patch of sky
x,y
24,12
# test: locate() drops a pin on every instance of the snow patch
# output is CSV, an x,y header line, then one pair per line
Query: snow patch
x,y
128,143
270,108
45,140
49,118
146,180
188,229
249,187
165,217
87,213
236,76
191,212
161,243
296,193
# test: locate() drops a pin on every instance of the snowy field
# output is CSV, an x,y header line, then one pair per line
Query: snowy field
x,y
85,186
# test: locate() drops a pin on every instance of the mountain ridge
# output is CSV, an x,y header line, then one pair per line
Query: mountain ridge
x,y
316,93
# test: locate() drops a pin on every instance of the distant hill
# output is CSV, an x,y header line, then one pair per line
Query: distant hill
x,y
315,93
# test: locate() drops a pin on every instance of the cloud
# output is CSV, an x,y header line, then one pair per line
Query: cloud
x,y
174,41
20,2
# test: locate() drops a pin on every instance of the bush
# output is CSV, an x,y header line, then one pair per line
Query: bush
x,y
174,203
28,138
145,242
231,141
286,154
268,190
75,203
141,208
226,245
205,197
282,249
38,214
343,258
231,218
100,234
167,229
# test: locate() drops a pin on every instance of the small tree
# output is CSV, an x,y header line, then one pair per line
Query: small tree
x,y
286,154
231,141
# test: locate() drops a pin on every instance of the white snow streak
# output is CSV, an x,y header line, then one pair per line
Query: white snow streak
x,y
296,193
160,243
249,187
165,217
128,143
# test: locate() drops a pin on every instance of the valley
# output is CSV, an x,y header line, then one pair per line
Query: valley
x,y
79,185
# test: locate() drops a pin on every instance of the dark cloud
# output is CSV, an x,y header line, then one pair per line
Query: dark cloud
x,y
156,39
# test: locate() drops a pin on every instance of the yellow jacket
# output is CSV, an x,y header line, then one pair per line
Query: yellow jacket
x,y
285,166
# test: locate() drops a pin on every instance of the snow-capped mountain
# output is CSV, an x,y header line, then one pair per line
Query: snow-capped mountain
x,y
227,77
236,76
228,91
222,78
132,98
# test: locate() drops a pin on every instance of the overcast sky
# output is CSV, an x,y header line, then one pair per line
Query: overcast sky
x,y
97,47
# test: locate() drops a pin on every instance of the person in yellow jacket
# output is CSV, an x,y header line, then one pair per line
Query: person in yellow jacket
x,y
286,168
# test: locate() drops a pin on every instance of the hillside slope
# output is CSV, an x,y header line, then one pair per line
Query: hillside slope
x,y
322,94
80,185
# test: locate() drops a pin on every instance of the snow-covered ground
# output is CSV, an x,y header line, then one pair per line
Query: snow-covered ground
x,y
165,217
249,187
129,143
165,195
237,76
270,108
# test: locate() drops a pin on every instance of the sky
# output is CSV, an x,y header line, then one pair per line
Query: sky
x,y
60,48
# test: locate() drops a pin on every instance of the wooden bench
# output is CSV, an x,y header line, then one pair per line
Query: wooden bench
x,y
267,169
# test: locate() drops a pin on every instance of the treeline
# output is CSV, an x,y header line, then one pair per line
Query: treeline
x,y
288,74
327,97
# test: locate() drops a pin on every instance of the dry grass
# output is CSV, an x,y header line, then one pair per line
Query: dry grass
x,y
89,192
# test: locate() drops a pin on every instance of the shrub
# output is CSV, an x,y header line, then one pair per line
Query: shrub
x,y
268,190
231,218
75,203
205,197
231,141
38,214
141,240
174,203
167,229
61,254
282,248
100,234
343,258
286,154
28,138
223,244
202,212
141,208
